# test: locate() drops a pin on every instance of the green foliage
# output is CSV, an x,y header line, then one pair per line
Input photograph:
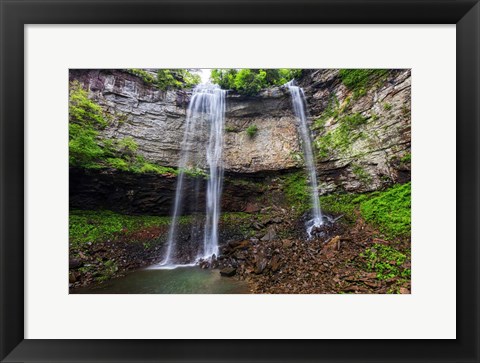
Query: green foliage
x,y
230,129
251,130
352,121
358,80
119,164
82,110
225,78
100,226
108,271
361,174
332,111
240,221
194,172
88,150
167,78
297,191
127,145
176,79
386,261
250,81
83,146
297,156
85,119
407,158
390,210
146,76
146,167
234,217
341,138
387,106
129,161
341,203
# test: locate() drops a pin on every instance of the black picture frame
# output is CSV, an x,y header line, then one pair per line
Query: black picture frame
x,y
15,14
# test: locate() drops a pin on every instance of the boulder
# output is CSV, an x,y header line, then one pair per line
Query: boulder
x,y
228,272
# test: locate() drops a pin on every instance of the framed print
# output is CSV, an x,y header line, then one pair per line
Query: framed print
x,y
201,181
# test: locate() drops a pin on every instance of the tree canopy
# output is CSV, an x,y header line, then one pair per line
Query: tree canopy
x,y
250,81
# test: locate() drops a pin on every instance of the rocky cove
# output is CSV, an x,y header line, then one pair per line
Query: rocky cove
x,y
121,204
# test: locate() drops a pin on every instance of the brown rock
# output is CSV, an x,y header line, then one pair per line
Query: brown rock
x,y
260,264
286,243
270,235
73,264
276,263
72,278
252,208
228,271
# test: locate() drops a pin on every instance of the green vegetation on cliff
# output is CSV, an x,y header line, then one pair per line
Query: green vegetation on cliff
x,y
252,130
250,81
387,210
85,119
390,210
87,149
166,79
359,80
297,191
347,131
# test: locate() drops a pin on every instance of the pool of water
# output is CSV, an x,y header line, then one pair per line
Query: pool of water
x,y
180,280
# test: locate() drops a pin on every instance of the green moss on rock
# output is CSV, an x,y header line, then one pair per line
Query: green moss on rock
x,y
389,210
297,191
386,261
100,226
359,80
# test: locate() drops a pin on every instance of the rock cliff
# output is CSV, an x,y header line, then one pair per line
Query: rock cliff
x,y
155,119
362,136
362,139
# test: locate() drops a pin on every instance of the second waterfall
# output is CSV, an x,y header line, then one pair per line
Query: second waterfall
x,y
206,111
298,102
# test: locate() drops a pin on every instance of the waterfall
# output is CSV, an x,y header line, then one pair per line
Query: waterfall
x,y
215,168
298,102
206,109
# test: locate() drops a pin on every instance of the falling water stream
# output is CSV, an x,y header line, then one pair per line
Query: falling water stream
x,y
298,102
206,109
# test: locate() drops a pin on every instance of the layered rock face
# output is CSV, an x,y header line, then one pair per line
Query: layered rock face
x,y
372,152
363,138
152,117
275,144
155,119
